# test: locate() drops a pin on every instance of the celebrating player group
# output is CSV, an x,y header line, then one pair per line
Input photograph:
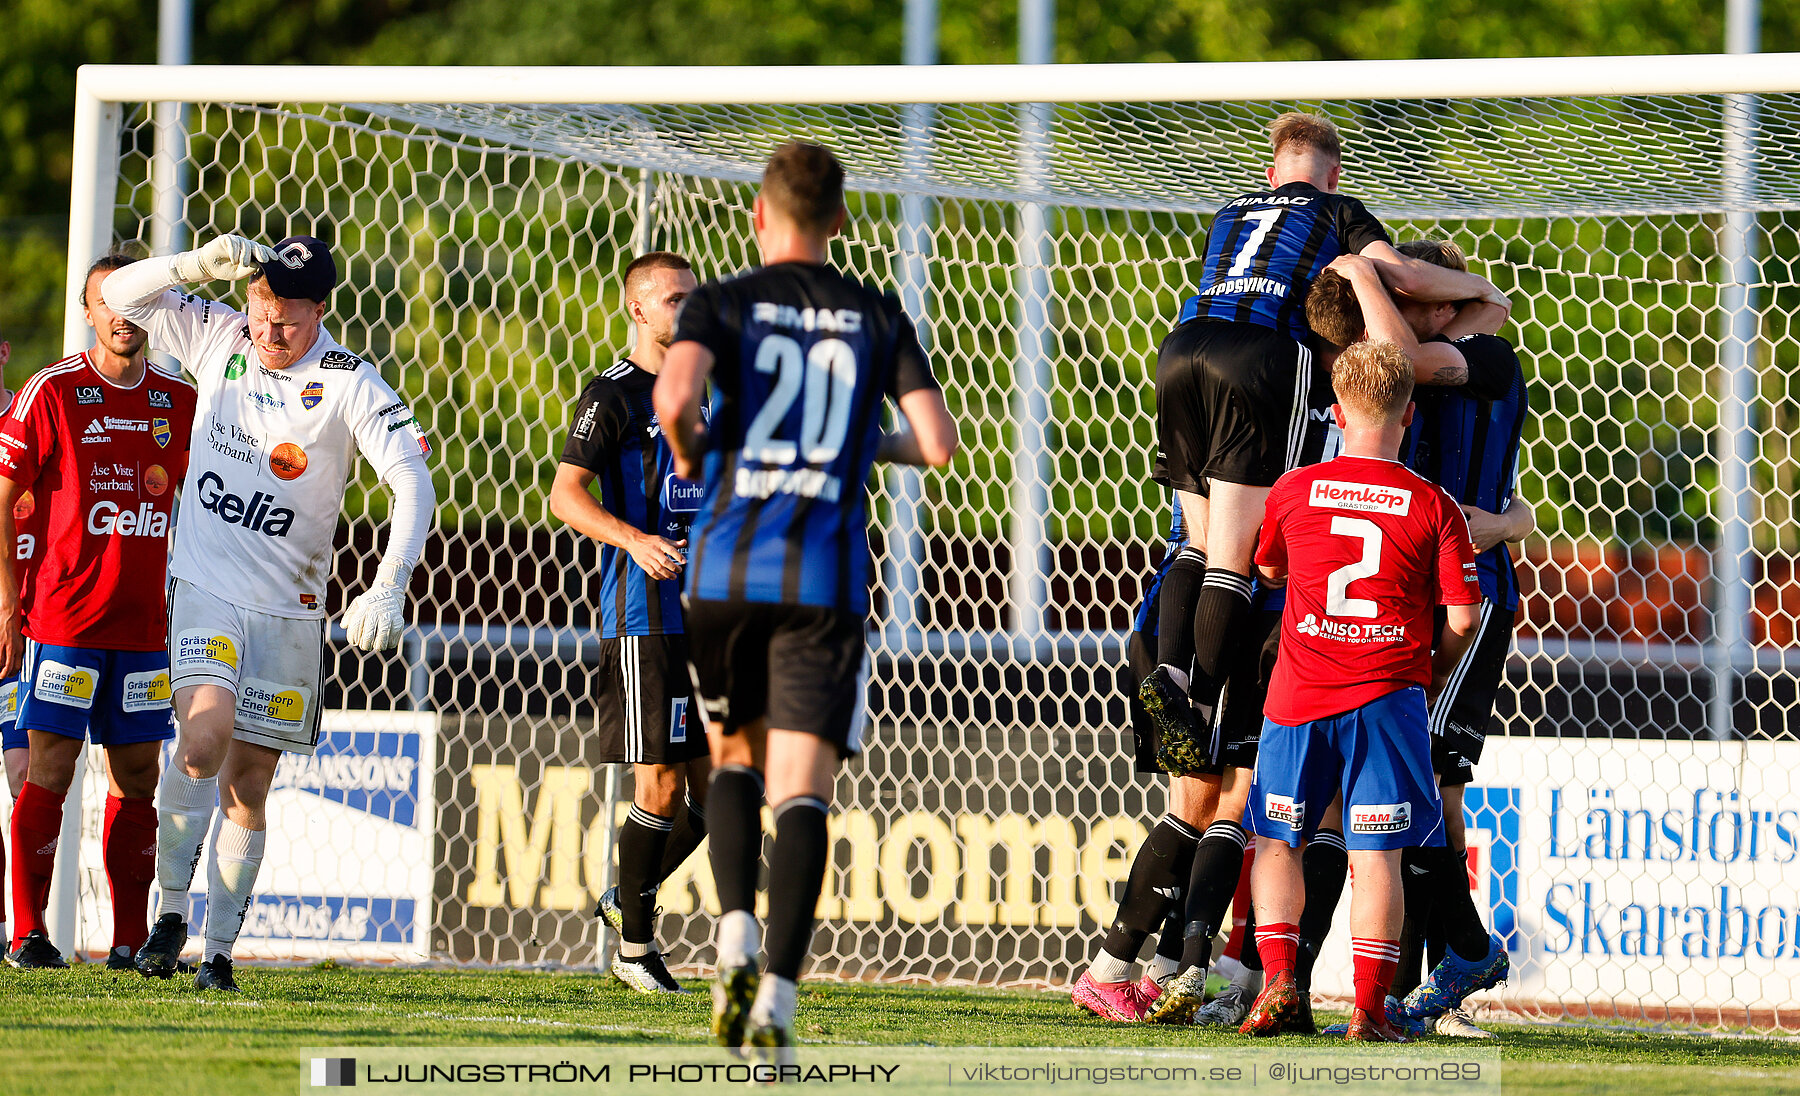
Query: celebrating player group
x,y
1313,666
1317,659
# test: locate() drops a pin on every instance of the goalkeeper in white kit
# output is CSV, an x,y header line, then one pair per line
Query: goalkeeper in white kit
x,y
282,410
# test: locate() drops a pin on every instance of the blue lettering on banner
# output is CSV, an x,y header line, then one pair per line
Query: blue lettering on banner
x,y
372,771
313,917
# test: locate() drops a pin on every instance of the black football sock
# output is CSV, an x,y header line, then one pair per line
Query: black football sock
x,y
689,831
734,802
1217,861
1323,867
1175,609
641,842
1249,954
1421,883
1159,874
1169,945
1454,919
1219,615
796,874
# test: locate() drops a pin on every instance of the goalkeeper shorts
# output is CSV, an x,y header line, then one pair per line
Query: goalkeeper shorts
x,y
273,664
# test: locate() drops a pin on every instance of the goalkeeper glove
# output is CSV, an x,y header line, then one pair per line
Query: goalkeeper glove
x,y
374,621
223,257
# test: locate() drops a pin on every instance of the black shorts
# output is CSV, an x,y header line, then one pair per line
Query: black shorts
x,y
1232,403
797,667
1238,727
643,710
1459,719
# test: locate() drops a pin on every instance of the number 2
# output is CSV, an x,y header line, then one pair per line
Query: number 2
x,y
827,375
1338,603
1265,220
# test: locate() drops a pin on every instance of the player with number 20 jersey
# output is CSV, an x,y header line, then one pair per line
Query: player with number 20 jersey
x,y
778,574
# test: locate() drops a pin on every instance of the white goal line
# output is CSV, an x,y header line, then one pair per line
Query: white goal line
x,y
1434,78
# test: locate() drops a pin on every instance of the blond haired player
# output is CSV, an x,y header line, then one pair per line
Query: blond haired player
x,y
283,409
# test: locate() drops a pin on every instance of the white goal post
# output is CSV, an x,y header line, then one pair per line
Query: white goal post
x,y
1043,223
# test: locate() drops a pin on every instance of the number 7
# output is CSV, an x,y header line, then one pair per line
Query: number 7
x,y
1265,220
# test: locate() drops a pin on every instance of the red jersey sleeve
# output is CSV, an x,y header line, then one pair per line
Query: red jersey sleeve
x,y
1457,581
26,443
1271,547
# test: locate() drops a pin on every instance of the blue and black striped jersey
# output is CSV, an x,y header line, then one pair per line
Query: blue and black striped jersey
x,y
803,358
1469,445
1144,620
1264,249
614,434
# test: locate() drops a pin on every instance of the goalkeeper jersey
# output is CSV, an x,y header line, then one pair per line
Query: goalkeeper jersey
x,y
271,455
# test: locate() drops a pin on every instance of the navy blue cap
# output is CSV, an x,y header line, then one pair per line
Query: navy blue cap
x,y
303,270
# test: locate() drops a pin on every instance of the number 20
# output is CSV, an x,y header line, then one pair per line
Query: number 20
x,y
826,377
1338,603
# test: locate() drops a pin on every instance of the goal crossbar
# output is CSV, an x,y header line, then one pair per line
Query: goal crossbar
x,y
1690,74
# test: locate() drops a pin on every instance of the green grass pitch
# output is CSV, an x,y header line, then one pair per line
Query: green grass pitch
x,y
86,1030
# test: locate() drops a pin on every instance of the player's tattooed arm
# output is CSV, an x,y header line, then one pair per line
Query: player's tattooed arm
x,y
679,389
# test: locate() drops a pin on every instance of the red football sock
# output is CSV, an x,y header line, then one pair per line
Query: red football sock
x,y
36,825
1278,944
128,846
1240,907
1376,961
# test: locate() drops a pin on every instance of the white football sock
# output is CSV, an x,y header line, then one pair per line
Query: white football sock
x,y
1110,968
738,938
1161,968
776,998
184,807
230,880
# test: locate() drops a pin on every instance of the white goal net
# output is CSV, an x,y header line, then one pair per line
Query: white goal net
x,y
1636,816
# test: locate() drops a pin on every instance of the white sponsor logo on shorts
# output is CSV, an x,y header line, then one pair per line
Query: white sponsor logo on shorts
x,y
1282,808
147,692
57,683
678,719
272,706
1381,818
205,650
9,702
1338,495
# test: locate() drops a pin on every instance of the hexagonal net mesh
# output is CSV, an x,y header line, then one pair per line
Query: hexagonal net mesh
x,y
1633,862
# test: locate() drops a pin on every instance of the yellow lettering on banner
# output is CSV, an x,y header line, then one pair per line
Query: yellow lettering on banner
x,y
1101,868
940,875
555,827
1020,837
861,878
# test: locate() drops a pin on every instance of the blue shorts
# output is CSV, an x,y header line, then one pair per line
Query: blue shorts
x,y
12,736
1378,756
115,697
